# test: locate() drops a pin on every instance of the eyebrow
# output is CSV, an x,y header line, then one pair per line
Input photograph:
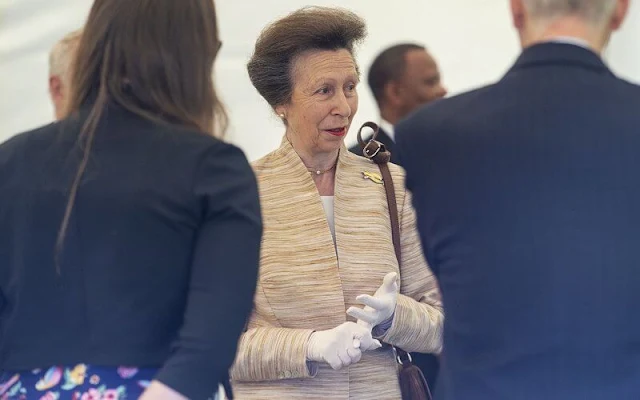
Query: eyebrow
x,y
325,81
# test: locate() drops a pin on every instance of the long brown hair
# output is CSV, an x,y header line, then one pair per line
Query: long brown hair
x,y
151,57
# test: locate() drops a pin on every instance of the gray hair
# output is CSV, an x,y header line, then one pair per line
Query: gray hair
x,y
591,10
62,53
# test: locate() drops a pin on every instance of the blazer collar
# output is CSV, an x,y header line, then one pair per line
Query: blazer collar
x,y
554,53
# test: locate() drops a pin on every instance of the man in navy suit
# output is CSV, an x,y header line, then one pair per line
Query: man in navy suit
x,y
528,200
402,78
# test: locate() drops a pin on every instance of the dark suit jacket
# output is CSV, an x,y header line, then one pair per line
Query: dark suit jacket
x,y
382,137
528,200
160,260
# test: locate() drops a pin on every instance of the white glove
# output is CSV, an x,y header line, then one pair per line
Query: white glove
x,y
380,307
341,346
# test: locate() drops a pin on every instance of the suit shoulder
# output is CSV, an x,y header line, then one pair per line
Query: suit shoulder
x,y
632,87
187,136
20,140
451,105
441,111
190,144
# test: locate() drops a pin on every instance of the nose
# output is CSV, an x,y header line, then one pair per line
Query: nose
x,y
442,91
341,106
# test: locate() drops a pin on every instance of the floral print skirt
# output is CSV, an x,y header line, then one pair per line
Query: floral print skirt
x,y
79,382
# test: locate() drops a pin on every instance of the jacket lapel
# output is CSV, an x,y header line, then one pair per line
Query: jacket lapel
x,y
298,253
362,227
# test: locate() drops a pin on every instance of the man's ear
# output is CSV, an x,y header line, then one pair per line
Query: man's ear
x,y
518,14
392,93
619,14
55,87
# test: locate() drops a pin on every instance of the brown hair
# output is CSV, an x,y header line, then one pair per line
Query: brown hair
x,y
151,57
310,28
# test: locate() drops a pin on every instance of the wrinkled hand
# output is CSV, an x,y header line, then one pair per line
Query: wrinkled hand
x,y
341,346
379,307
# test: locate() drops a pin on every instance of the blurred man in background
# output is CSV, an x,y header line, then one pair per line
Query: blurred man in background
x,y
527,193
402,78
60,59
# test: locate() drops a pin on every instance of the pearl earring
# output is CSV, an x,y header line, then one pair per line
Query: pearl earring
x,y
281,115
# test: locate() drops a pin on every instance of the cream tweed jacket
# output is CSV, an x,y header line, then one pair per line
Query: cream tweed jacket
x,y
306,283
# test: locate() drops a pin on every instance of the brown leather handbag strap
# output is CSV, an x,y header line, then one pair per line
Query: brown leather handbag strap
x,y
413,385
393,210
377,152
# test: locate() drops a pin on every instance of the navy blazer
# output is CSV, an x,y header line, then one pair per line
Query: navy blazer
x,y
161,256
528,200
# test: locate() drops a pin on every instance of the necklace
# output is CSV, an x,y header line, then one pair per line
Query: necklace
x,y
313,170
320,171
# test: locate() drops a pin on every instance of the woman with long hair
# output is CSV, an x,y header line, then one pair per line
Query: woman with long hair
x,y
127,229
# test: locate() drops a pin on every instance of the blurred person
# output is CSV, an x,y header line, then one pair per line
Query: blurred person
x,y
402,78
129,234
327,249
60,59
529,210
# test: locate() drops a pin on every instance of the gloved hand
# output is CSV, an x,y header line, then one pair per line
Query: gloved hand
x,y
380,307
341,346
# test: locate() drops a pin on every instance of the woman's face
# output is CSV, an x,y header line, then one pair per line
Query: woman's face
x,y
324,99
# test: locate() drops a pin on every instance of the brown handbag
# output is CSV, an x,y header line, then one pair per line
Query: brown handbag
x,y
413,385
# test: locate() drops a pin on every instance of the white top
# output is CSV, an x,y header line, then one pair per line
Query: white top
x,y
327,203
388,128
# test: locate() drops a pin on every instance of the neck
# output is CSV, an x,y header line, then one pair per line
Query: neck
x,y
314,161
573,27
390,115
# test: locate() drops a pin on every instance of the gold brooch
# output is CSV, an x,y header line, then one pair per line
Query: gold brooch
x,y
373,176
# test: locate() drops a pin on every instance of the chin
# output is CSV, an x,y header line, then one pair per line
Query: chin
x,y
332,144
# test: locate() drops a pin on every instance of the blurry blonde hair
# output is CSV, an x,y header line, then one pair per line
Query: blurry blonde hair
x,y
62,53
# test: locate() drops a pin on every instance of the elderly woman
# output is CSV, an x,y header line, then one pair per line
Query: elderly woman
x,y
327,246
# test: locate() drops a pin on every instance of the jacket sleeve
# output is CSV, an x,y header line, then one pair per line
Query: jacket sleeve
x,y
418,321
267,352
224,271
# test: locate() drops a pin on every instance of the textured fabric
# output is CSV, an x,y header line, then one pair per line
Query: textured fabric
x,y
528,199
305,286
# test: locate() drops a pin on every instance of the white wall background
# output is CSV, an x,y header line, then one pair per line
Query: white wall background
x,y
472,40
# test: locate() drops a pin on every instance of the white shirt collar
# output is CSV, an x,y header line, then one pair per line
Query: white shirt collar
x,y
571,40
387,127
